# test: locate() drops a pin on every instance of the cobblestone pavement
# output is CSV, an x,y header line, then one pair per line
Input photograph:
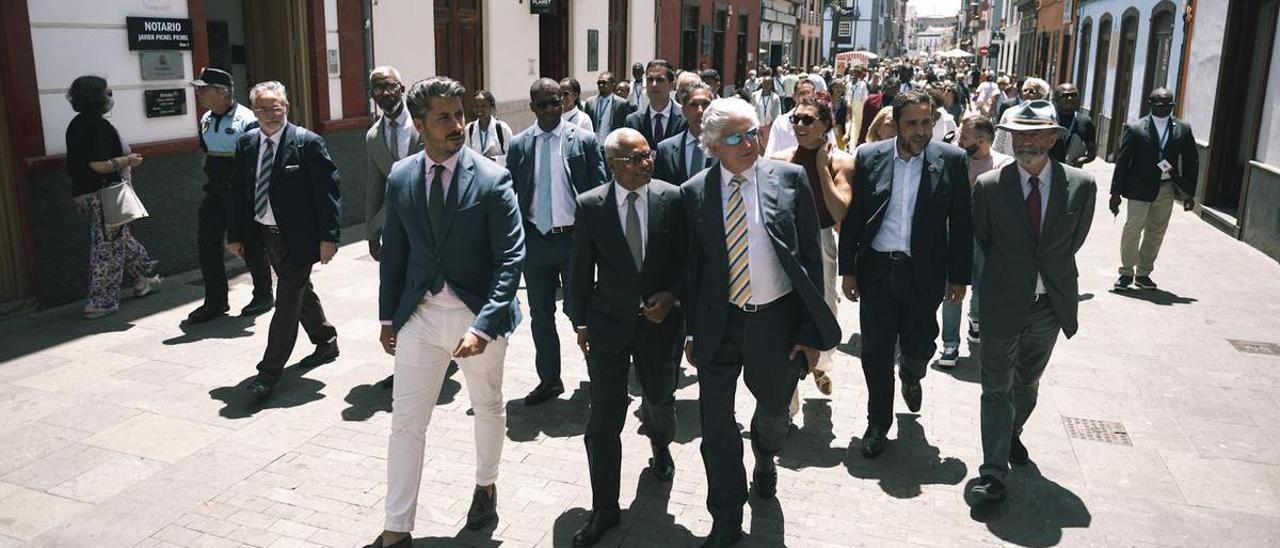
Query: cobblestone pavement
x,y
130,431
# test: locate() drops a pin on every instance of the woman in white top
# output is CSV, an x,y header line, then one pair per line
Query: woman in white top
x,y
485,134
570,95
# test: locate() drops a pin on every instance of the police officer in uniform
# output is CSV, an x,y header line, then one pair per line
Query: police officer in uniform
x,y
220,127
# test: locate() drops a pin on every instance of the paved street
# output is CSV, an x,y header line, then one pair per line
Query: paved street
x,y
130,431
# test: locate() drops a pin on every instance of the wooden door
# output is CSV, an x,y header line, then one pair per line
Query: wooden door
x,y
13,266
618,51
553,43
460,44
275,40
1124,83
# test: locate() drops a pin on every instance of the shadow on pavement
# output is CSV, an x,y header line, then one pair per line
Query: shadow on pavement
x,y
482,537
230,327
853,347
367,400
688,421
1035,511
967,368
907,463
768,525
558,418
810,446
1154,296
292,390
646,522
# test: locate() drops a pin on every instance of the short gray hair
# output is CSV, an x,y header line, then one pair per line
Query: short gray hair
x,y
384,71
423,91
613,143
270,86
719,114
1045,90
684,95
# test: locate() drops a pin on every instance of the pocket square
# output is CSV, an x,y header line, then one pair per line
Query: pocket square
x,y
292,168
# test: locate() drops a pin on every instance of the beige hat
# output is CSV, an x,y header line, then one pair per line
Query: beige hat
x,y
1032,116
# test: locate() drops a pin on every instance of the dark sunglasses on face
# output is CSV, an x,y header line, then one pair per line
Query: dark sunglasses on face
x,y
737,138
802,120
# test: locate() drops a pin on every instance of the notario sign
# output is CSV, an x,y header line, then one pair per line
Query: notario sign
x,y
158,33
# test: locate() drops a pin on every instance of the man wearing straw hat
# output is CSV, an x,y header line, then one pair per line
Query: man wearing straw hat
x,y
1029,219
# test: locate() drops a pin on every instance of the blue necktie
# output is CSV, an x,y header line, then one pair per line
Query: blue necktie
x,y
542,186
262,196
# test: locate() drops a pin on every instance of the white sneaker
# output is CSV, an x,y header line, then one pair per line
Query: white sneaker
x,y
949,357
146,286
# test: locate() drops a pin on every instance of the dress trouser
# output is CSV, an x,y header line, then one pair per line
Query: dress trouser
x,y
655,349
424,348
296,302
830,263
1011,369
211,229
894,316
546,269
757,345
951,311
1144,227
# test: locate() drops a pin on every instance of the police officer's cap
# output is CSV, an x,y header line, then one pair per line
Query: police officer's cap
x,y
213,77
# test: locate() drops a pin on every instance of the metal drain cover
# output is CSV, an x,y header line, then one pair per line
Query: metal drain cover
x,y
1256,347
1096,430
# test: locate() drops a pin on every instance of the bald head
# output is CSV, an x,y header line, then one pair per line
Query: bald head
x,y
1066,98
1161,102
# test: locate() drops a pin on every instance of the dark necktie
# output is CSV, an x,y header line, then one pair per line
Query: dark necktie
x,y
435,216
1033,207
262,195
659,131
635,238
394,131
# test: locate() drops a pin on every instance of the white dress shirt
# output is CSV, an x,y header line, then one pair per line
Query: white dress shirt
x,y
580,119
642,209
403,132
1046,177
638,95
1162,136
895,230
666,120
768,281
268,217
767,106
946,124
563,196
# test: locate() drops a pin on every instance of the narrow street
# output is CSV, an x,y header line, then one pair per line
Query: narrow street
x,y
130,431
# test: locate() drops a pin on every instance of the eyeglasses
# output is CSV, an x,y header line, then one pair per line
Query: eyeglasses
x,y
737,138
269,110
637,158
802,120
388,87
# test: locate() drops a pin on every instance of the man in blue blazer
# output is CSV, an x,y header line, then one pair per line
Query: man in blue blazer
x,y
452,247
905,244
754,300
680,156
551,163
287,197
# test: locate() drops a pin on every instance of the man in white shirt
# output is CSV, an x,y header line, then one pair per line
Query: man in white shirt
x,y
768,107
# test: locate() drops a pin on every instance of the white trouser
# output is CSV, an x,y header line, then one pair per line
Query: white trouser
x,y
830,262
424,348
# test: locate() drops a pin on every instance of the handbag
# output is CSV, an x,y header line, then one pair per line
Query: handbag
x,y
120,204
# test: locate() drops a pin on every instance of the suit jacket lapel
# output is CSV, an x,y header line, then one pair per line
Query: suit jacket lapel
x,y
713,212
1155,135
388,157
418,197
657,208
463,173
616,240
1057,202
767,192
1011,183
286,142
683,168
930,172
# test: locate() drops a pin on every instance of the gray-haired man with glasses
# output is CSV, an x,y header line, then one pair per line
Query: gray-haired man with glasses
x,y
755,302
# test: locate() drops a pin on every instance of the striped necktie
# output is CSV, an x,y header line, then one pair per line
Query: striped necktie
x,y
261,196
735,237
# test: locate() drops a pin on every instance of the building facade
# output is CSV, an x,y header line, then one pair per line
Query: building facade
x,y
779,32
1229,82
811,46
1052,51
723,36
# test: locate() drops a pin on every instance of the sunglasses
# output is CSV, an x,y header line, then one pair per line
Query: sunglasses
x,y
737,138
637,158
803,120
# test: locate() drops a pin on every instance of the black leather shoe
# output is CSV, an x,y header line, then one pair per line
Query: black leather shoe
x,y
988,489
1144,282
600,522
912,393
663,466
1018,452
544,392
206,313
873,442
723,536
260,390
257,306
1123,282
765,478
484,508
406,542
324,353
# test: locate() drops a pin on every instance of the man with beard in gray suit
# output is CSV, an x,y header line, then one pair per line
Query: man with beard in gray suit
x,y
1029,219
